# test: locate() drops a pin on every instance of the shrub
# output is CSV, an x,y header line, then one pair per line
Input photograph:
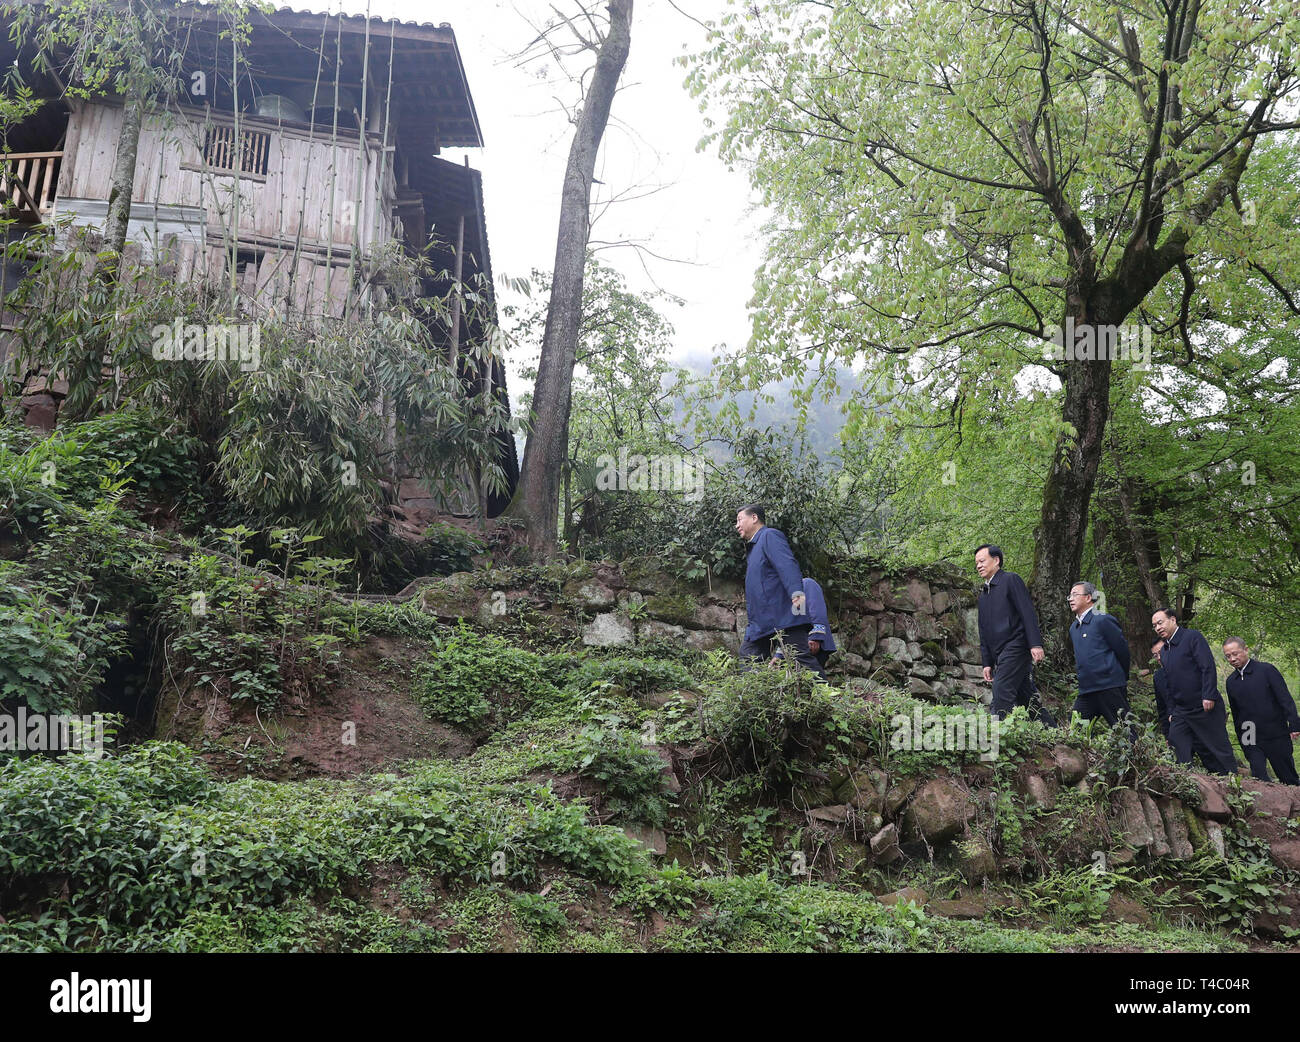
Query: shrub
x,y
471,676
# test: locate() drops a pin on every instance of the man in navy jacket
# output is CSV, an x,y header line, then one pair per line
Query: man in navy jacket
x,y
821,642
774,597
1199,717
1263,712
1161,689
1101,658
1009,637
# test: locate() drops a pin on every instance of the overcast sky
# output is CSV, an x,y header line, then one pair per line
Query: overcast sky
x,y
701,219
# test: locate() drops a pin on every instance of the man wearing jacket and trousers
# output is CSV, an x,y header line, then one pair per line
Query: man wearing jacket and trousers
x,y
821,642
774,597
1009,637
1263,713
1101,658
1199,718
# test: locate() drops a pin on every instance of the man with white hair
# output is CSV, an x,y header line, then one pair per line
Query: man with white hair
x,y
1263,712
1101,658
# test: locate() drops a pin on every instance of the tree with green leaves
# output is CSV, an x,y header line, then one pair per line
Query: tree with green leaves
x,y
954,187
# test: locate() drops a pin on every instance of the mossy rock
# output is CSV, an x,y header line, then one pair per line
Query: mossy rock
x,y
678,608
647,574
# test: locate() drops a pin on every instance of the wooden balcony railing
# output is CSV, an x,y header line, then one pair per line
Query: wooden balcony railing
x,y
27,183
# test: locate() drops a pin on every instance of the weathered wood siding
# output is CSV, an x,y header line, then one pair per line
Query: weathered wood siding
x,y
319,199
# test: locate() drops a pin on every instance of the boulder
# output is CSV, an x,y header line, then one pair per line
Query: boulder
x,y
1133,826
1171,816
908,895
924,669
939,810
970,653
1271,798
961,908
897,794
863,636
854,665
653,629
1286,853
1159,844
711,640
975,859
1213,803
836,814
653,840
917,686
591,595
894,648
914,650
714,617
971,624
1041,790
909,628
938,602
608,630
884,845
1071,764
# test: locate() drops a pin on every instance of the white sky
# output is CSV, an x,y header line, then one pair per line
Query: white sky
x,y
702,216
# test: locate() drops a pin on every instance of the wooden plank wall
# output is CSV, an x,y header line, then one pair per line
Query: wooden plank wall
x,y
293,199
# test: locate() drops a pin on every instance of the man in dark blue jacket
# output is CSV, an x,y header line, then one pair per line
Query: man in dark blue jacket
x,y
774,597
1199,717
1263,713
1101,658
1161,687
821,642
1009,637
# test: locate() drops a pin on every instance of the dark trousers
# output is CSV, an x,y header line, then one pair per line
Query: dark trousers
x,y
1013,685
1206,734
1277,751
1111,704
795,642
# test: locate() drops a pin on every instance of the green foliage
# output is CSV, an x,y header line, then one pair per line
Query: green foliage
x,y
769,717
452,549
631,773
537,915
472,676
670,891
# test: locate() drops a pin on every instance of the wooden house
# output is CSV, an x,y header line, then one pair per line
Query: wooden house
x,y
295,161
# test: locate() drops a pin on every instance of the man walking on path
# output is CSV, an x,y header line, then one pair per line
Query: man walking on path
x,y
1101,658
1010,641
1161,688
774,597
1199,717
1263,712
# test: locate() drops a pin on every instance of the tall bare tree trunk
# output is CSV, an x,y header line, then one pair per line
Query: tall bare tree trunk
x,y
536,500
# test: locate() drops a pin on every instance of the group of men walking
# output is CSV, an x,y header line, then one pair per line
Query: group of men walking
x,y
787,617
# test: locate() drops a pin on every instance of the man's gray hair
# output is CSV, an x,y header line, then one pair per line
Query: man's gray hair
x,y
1089,589
1238,641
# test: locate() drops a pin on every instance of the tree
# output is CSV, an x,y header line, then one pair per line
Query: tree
x,y
624,391
953,185
536,499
